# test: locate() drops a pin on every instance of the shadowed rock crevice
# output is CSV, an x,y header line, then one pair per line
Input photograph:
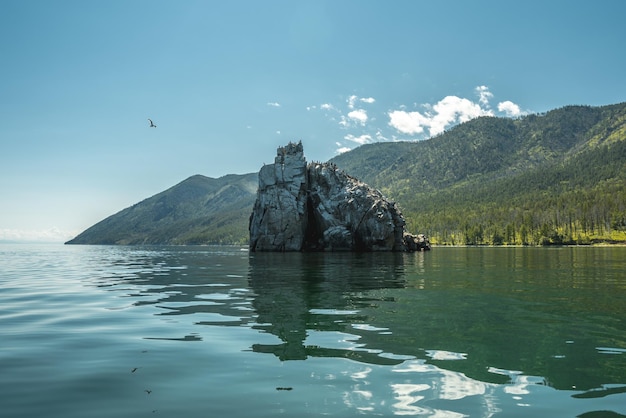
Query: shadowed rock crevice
x,y
318,207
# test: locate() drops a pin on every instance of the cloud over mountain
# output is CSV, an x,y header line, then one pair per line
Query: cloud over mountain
x,y
448,111
362,139
363,117
510,109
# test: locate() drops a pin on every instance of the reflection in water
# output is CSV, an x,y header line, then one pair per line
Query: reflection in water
x,y
298,295
557,313
207,284
543,311
459,320
450,386
484,325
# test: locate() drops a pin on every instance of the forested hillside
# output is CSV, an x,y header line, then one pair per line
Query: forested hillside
x,y
554,178
198,210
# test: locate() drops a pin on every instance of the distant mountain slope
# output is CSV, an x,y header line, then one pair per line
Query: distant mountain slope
x,y
489,175
482,146
558,177
199,210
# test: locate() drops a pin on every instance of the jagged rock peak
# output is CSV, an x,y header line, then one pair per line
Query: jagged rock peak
x,y
278,220
318,207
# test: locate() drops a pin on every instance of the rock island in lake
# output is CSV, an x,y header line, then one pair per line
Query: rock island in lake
x,y
304,206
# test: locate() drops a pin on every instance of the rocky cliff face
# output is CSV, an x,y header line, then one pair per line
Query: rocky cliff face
x,y
279,217
317,207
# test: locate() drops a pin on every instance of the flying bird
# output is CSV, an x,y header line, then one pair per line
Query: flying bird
x,y
152,125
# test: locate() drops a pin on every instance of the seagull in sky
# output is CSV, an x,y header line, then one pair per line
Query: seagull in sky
x,y
152,125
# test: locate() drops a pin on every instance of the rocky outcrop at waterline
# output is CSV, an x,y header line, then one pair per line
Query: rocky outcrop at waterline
x,y
304,206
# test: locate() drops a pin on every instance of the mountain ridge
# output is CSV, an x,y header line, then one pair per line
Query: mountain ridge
x,y
181,214
551,178
511,181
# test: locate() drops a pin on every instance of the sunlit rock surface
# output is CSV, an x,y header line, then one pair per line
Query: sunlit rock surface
x,y
279,217
318,207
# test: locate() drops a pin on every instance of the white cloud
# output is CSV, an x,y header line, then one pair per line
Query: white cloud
x,y
351,101
454,109
323,106
408,122
484,95
358,115
448,111
362,139
341,150
354,117
416,120
47,235
510,108
380,136
273,104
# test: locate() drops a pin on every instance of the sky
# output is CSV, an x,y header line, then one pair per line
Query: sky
x,y
227,82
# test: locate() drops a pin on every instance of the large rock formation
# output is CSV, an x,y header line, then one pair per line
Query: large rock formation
x,y
318,207
279,217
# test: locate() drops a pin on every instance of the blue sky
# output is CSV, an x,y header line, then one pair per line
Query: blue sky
x,y
228,82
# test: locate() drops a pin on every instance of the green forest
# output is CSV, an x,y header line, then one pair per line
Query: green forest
x,y
551,179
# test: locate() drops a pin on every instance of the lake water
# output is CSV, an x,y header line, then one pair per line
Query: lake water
x,y
104,331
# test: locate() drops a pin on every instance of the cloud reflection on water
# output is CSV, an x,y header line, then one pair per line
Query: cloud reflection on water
x,y
434,335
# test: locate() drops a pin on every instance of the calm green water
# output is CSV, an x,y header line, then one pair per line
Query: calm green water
x,y
216,332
